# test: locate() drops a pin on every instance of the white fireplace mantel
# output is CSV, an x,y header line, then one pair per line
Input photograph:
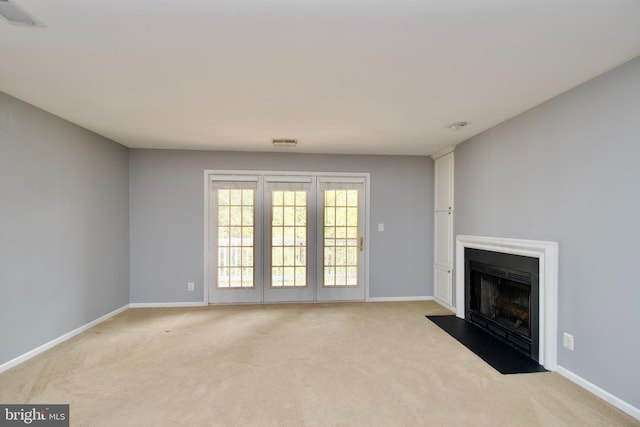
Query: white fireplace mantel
x,y
547,253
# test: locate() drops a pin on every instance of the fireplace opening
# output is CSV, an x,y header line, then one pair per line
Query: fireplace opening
x,y
502,297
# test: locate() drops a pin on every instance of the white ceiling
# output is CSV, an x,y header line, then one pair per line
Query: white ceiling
x,y
347,76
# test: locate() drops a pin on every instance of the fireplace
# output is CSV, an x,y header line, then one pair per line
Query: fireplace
x,y
546,255
502,297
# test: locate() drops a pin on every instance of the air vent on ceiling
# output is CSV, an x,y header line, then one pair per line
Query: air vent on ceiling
x,y
284,142
16,15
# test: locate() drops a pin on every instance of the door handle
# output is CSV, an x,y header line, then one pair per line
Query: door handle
x,y
361,245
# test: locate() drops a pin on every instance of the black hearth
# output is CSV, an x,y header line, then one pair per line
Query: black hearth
x,y
502,297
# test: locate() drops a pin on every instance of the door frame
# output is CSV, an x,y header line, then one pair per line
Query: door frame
x,y
230,172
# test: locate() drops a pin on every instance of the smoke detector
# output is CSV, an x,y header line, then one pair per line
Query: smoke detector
x,y
282,142
457,125
14,14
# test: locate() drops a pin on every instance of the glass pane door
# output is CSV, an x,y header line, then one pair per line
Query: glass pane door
x,y
342,243
289,214
234,241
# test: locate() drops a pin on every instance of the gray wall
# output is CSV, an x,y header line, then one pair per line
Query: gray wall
x,y
64,227
167,217
569,171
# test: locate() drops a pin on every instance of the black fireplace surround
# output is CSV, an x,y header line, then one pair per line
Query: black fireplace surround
x,y
502,297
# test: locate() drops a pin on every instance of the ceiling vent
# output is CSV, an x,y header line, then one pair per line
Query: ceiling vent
x,y
16,15
284,142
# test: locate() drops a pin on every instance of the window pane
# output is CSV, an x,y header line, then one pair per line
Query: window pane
x,y
277,236
235,215
329,217
235,238
352,198
329,276
277,276
301,256
277,198
341,256
223,197
277,216
223,215
289,238
301,236
289,215
223,236
247,257
223,277
247,277
247,215
329,198
247,236
289,276
341,238
277,256
236,257
352,217
289,256
301,198
236,197
236,234
301,216
329,256
247,197
301,273
341,216
352,256
289,198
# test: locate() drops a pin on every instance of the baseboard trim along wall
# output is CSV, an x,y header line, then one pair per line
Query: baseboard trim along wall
x,y
445,305
167,304
44,347
602,394
398,299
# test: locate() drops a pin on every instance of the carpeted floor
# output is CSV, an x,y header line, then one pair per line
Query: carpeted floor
x,y
349,364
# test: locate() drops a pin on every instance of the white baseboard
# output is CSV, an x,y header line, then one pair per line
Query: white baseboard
x,y
602,394
392,299
44,347
167,304
445,305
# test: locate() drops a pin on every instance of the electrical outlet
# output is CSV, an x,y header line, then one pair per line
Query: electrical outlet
x,y
568,341
191,286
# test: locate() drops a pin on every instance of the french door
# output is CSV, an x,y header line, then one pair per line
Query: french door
x,y
289,250
341,239
278,238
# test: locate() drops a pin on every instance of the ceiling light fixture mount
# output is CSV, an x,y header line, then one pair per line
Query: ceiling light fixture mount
x,y
457,125
14,14
283,142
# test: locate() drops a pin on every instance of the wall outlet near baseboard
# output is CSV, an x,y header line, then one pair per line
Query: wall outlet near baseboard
x,y
191,286
568,341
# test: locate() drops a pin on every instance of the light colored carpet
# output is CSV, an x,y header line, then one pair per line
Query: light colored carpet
x,y
349,364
